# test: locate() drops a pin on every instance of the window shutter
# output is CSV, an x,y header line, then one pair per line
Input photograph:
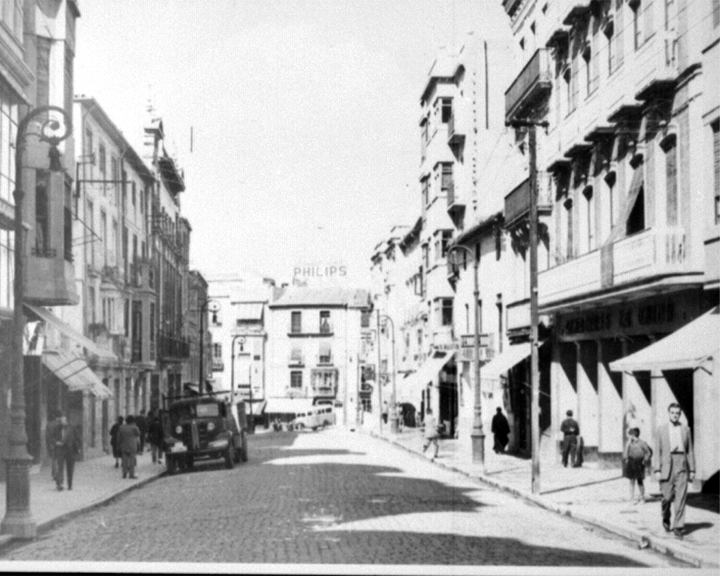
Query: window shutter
x,y
648,14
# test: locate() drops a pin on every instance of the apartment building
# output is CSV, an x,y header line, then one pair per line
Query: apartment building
x,y
169,250
110,250
36,69
314,346
237,324
620,84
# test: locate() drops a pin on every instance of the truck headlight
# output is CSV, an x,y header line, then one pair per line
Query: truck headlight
x,y
211,426
222,443
178,429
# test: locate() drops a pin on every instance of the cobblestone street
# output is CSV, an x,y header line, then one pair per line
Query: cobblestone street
x,y
330,497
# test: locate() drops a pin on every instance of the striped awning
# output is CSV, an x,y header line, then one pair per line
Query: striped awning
x,y
74,371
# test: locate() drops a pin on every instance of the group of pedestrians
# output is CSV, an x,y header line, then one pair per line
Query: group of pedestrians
x,y
128,437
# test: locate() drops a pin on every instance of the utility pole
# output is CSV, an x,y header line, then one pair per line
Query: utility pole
x,y
534,364
534,344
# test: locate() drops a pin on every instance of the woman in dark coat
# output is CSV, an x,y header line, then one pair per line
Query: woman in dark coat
x,y
501,431
113,441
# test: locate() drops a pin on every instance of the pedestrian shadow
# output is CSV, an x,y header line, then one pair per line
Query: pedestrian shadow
x,y
693,526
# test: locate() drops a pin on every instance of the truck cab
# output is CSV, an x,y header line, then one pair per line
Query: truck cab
x,y
203,427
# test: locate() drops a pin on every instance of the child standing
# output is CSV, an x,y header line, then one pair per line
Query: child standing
x,y
636,456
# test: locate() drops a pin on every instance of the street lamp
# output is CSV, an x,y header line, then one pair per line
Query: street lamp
x,y
477,434
18,519
214,309
393,404
240,337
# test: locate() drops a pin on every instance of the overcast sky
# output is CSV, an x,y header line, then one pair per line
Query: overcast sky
x,y
304,114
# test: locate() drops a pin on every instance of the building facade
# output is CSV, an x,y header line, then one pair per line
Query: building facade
x,y
314,341
620,84
36,69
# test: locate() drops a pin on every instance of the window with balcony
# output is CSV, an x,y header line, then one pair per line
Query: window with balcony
x,y
324,381
425,187
589,213
12,17
217,351
7,268
365,319
296,379
445,110
42,213
671,189
446,177
446,312
325,353
325,327
102,162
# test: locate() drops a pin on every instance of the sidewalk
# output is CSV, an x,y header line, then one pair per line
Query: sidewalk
x,y
95,482
594,495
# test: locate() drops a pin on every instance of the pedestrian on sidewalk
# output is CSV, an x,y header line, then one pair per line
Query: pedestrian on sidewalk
x,y
432,433
501,430
636,457
675,467
571,430
155,436
385,413
114,441
141,423
67,445
50,438
128,439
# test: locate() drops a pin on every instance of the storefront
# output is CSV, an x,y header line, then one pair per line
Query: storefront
x,y
587,341
685,367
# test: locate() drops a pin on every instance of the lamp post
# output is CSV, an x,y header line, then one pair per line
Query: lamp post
x,y
18,519
203,307
477,434
240,337
393,400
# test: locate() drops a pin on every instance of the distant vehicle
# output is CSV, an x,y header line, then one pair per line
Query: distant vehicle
x,y
315,417
203,427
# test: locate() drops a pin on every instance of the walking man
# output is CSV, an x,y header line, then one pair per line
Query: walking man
x,y
500,430
570,429
155,437
50,438
67,444
432,433
141,423
675,467
128,439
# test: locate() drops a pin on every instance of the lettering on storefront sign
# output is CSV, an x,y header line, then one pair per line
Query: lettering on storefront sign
x,y
322,271
591,322
628,317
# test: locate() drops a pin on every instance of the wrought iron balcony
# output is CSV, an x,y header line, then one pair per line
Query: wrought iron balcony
x,y
173,348
517,204
532,84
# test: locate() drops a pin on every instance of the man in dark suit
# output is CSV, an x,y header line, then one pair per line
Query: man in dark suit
x,y
67,445
675,467
571,430
50,439
128,440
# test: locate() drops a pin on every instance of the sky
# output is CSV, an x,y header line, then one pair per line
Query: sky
x,y
303,113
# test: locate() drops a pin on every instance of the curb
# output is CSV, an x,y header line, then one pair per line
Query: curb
x,y
641,540
7,539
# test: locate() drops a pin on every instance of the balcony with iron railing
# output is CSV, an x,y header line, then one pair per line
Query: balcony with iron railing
x,y
171,348
532,84
517,204
633,261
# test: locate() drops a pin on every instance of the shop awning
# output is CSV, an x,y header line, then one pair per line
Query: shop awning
x,y
74,371
257,407
502,363
50,318
248,311
410,387
288,405
687,347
